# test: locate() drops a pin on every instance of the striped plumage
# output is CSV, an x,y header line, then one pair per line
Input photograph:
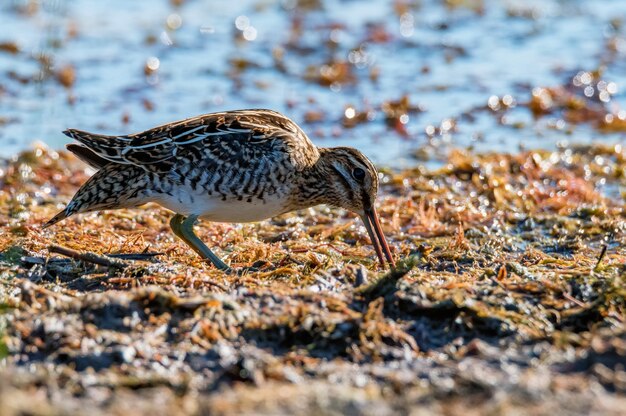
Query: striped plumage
x,y
236,166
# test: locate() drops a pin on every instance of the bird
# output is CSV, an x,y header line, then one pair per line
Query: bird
x,y
233,166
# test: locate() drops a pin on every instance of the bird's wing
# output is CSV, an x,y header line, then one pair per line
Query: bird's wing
x,y
227,136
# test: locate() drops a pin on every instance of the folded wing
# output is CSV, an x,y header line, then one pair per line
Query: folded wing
x,y
236,135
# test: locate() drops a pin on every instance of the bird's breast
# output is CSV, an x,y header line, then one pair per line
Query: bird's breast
x,y
222,208
227,192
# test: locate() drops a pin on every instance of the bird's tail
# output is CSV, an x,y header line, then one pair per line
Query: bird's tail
x,y
87,155
59,217
109,188
98,147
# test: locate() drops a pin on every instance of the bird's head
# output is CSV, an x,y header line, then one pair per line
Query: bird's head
x,y
352,183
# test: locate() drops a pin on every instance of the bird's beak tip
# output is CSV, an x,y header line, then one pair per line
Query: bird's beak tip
x,y
374,229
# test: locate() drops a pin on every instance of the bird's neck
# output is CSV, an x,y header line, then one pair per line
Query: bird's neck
x,y
315,184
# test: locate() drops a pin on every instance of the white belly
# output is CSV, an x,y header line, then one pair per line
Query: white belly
x,y
213,208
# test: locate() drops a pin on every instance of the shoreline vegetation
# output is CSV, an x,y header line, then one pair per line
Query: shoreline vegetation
x,y
510,292
509,296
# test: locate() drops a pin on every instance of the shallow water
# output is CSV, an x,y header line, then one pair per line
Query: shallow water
x,y
144,63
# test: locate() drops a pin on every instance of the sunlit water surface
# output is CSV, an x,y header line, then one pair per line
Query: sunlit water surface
x,y
143,63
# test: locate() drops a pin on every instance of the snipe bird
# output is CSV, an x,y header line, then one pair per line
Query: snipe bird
x,y
234,166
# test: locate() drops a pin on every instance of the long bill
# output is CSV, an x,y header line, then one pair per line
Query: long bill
x,y
375,231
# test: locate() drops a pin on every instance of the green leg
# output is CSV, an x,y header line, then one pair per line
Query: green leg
x,y
183,228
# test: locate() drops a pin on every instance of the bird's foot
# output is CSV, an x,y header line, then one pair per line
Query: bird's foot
x,y
257,266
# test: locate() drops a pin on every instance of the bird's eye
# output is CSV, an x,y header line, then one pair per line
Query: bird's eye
x,y
358,174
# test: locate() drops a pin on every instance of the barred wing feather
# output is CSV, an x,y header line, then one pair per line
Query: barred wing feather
x,y
234,136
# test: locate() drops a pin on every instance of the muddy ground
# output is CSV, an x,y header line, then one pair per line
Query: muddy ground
x,y
509,297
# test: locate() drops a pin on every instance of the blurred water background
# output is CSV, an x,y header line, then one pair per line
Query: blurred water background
x,y
397,79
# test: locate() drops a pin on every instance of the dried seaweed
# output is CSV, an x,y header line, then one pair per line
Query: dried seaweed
x,y
511,268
